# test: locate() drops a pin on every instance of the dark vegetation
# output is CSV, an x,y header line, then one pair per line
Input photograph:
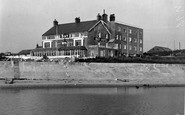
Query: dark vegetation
x,y
2,57
145,58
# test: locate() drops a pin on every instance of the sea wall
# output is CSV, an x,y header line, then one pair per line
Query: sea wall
x,y
96,71
6,69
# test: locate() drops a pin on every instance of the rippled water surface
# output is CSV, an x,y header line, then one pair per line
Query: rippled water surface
x,y
93,101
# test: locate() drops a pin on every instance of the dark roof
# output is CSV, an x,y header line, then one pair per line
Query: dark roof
x,y
73,48
24,52
71,27
158,49
128,25
45,49
62,48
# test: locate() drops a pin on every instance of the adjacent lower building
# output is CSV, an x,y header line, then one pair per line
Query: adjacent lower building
x,y
100,37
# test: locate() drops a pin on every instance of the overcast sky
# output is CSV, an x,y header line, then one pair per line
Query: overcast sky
x,y
22,22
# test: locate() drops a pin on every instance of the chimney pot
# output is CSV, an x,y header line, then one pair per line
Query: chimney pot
x,y
112,17
55,22
77,20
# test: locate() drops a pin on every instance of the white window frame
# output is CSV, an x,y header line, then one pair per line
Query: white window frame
x,y
135,40
119,28
130,31
120,37
130,39
130,47
124,39
135,48
141,41
117,37
140,49
99,35
107,36
125,46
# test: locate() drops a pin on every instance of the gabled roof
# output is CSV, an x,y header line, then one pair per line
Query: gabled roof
x,y
157,49
104,25
71,28
24,52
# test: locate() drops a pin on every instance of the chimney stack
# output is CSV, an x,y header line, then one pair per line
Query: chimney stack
x,y
77,20
112,17
98,17
104,16
55,23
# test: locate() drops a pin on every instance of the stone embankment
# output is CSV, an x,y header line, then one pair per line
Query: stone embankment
x,y
123,72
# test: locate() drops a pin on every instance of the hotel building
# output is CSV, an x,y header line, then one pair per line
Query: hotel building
x,y
100,37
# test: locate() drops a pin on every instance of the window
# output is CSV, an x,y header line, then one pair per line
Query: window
x,y
120,37
61,36
99,35
124,39
130,31
140,49
120,46
117,37
140,32
135,40
78,43
125,47
47,45
107,36
124,30
135,48
130,39
130,47
70,35
119,28
70,44
141,41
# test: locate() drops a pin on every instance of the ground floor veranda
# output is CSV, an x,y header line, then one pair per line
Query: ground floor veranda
x,y
75,52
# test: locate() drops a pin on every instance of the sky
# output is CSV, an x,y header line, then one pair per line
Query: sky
x,y
22,22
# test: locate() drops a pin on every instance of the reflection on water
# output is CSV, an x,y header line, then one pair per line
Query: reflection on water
x,y
93,101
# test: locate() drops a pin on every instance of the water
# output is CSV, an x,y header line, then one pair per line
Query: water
x,y
93,101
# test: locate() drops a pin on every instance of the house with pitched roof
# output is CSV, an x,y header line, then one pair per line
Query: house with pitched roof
x,y
100,37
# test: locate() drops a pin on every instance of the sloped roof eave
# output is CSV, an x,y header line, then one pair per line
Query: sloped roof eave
x,y
103,26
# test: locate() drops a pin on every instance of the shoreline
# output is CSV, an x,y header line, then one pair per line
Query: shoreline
x,y
36,84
